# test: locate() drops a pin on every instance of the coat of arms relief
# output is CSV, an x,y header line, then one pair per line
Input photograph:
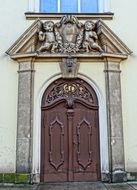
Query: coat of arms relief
x,y
68,36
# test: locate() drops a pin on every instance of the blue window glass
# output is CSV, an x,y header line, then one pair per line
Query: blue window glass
x,y
89,6
48,6
69,6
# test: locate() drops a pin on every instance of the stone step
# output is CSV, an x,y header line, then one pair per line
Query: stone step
x,y
72,186
84,186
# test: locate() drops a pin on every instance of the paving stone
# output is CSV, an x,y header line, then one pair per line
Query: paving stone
x,y
134,185
72,186
120,186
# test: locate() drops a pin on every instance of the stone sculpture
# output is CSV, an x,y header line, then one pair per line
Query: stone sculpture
x,y
90,38
47,36
68,36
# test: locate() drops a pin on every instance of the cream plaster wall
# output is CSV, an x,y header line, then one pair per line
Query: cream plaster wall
x,y
124,26
12,25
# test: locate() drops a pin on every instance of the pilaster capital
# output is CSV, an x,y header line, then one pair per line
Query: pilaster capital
x,y
26,60
113,67
26,65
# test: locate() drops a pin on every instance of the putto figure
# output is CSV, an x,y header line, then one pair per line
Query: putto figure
x,y
47,36
90,38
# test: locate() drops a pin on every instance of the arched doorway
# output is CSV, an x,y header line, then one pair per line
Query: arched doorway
x,y
69,132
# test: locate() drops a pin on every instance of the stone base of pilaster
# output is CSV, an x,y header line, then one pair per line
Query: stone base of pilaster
x,y
119,176
106,177
36,178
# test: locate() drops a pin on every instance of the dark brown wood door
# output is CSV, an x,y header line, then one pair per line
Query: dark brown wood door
x,y
69,132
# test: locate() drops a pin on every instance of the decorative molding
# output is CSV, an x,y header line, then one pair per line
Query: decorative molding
x,y
58,57
69,67
110,41
44,16
92,40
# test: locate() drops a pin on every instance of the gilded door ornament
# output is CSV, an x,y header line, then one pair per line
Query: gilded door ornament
x,y
68,90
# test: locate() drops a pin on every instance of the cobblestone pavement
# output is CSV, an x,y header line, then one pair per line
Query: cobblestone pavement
x,y
73,186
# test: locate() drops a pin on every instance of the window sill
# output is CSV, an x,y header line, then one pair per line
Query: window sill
x,y
104,16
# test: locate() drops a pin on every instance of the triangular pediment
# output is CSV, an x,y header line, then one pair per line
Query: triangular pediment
x,y
26,43
68,36
110,41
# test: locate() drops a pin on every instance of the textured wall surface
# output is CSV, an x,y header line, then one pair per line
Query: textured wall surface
x,y
123,26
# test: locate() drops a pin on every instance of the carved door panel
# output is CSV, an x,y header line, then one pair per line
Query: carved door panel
x,y
54,160
85,144
69,133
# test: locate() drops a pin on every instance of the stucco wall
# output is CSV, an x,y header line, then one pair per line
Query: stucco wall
x,y
123,25
13,24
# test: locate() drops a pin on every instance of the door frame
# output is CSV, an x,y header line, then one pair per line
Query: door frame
x,y
103,137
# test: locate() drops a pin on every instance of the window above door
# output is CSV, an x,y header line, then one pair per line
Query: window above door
x,y
65,6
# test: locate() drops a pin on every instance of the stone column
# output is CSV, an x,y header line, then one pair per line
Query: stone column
x,y
25,116
114,119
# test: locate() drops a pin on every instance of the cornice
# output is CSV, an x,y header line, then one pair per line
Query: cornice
x,y
99,43
103,57
55,16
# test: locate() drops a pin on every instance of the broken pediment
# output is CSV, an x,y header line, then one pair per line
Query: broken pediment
x,y
69,36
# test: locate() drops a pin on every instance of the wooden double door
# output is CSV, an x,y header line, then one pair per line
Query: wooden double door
x,y
69,132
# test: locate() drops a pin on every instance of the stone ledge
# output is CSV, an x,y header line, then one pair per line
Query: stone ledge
x,y
58,57
54,16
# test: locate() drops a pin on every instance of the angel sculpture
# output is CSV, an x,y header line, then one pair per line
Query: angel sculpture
x,y
90,38
48,37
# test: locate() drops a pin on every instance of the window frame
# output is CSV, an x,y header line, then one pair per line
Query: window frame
x,y
103,6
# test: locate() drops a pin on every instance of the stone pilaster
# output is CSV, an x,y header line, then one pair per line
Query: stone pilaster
x,y
114,119
25,112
